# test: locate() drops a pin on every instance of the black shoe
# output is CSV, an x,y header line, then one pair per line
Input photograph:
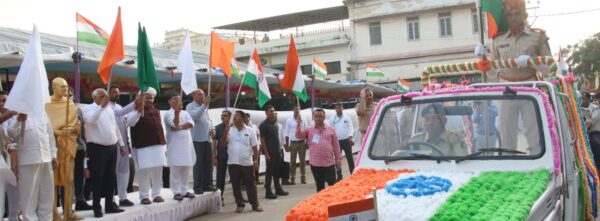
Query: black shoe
x,y
98,211
114,210
270,196
189,195
281,193
287,183
125,203
82,205
146,201
209,189
244,200
198,192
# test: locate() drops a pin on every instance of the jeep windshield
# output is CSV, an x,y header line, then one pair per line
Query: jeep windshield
x,y
459,128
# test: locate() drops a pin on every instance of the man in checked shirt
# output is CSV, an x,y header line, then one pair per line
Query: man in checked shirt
x,y
323,149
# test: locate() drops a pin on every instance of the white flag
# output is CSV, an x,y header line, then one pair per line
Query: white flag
x,y
29,93
185,63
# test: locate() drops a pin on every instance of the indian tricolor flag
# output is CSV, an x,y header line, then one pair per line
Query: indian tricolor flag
x,y
255,78
319,68
403,85
292,78
89,32
235,69
373,71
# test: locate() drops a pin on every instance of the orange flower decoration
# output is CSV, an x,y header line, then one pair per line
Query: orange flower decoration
x,y
484,65
355,187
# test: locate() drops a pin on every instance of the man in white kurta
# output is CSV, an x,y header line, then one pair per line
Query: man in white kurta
x,y
8,165
180,149
123,153
36,152
148,142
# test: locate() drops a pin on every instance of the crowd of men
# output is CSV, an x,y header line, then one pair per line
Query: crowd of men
x,y
85,152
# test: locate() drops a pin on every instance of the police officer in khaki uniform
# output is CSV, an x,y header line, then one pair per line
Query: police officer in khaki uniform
x,y
434,132
522,43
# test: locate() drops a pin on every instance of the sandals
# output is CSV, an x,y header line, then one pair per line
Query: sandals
x,y
189,195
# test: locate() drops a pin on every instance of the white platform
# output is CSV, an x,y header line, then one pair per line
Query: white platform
x,y
172,210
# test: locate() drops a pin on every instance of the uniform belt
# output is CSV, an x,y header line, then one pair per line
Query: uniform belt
x,y
518,78
297,141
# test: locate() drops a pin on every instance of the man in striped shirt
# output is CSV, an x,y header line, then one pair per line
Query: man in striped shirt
x,y
323,149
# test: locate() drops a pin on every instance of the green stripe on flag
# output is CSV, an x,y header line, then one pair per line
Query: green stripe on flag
x,y
319,73
303,96
235,71
375,74
91,38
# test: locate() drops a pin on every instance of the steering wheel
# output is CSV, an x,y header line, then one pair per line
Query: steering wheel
x,y
433,147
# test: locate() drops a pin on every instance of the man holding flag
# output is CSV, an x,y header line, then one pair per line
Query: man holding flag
x,y
33,132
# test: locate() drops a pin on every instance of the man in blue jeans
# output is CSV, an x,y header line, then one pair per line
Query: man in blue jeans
x,y
202,171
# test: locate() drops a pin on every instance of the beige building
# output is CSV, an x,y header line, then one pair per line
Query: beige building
x,y
402,37
321,33
200,41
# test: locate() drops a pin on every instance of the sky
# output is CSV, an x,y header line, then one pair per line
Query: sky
x,y
58,16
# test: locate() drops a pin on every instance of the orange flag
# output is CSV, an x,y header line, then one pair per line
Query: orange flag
x,y
114,52
221,53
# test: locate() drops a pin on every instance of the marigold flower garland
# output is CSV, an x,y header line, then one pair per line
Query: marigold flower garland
x,y
356,187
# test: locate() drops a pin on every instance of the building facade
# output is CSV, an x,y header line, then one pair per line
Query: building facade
x,y
402,37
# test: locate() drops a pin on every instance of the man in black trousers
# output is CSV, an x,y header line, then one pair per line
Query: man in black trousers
x,y
102,136
269,135
220,151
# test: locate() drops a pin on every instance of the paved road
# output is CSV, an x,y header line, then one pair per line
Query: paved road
x,y
273,209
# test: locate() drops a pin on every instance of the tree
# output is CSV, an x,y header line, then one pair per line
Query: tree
x,y
584,58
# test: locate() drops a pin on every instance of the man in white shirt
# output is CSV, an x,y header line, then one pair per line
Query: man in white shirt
x,y
296,146
123,174
344,131
242,159
8,162
36,155
102,136
149,144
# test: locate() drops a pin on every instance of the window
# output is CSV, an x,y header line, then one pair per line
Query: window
x,y
445,25
375,33
475,20
334,67
306,69
413,28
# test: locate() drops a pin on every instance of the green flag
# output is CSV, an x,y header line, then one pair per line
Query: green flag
x,y
496,21
146,73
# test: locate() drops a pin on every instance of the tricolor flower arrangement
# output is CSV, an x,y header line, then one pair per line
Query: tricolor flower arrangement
x,y
443,195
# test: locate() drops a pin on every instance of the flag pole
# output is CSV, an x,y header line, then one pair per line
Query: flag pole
x,y
239,89
77,59
481,37
312,94
227,101
109,80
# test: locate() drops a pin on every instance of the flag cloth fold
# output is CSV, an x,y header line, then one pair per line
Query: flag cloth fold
x,y
235,68
87,31
292,78
255,78
496,21
146,73
114,52
373,71
221,53
403,85
185,63
319,69
29,93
